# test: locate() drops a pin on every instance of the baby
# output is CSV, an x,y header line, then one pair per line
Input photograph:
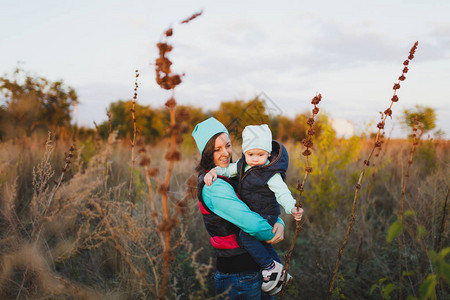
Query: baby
x,y
261,171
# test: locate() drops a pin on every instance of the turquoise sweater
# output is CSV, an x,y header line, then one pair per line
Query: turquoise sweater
x,y
221,198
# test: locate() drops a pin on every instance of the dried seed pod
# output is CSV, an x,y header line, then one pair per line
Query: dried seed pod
x,y
406,62
145,161
307,152
175,156
315,110
310,121
396,86
153,172
308,169
171,103
163,189
394,98
307,143
380,125
402,77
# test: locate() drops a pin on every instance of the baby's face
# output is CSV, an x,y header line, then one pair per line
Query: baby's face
x,y
256,157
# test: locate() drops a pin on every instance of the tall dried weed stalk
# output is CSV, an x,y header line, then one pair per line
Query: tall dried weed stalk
x,y
307,142
377,143
133,140
166,223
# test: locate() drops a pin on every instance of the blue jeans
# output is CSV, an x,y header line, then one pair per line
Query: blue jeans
x,y
264,254
243,286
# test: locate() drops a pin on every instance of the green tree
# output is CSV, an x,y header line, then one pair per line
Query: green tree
x,y
151,123
329,160
34,103
425,115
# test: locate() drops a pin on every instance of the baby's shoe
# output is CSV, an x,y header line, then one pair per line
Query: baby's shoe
x,y
271,276
279,285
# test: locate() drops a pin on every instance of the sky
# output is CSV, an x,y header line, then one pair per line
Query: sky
x,y
350,51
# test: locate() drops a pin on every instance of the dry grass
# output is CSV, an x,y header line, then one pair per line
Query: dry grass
x,y
94,243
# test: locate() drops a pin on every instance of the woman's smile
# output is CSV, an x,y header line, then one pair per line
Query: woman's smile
x,y
222,151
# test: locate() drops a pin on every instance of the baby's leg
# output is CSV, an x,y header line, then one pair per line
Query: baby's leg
x,y
256,249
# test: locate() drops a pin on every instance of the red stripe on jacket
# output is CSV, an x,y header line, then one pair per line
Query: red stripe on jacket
x,y
203,209
224,242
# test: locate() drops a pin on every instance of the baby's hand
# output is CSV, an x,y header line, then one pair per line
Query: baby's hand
x,y
297,214
210,177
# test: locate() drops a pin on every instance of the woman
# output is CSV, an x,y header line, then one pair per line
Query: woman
x,y
225,215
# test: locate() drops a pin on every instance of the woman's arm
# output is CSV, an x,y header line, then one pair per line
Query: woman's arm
x,y
223,201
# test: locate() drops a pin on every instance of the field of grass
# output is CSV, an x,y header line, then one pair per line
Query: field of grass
x,y
82,236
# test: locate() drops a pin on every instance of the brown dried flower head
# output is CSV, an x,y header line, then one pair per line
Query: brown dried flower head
x,y
145,161
307,143
171,103
316,99
311,131
162,189
173,156
153,172
315,110
307,152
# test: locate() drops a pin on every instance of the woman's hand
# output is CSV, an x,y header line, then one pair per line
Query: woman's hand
x,y
278,229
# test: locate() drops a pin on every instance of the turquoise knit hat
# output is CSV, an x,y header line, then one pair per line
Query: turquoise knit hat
x,y
205,130
257,137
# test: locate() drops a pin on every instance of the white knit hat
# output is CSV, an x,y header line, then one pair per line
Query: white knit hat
x,y
257,137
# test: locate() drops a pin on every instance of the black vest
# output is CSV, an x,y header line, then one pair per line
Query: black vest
x,y
224,235
253,187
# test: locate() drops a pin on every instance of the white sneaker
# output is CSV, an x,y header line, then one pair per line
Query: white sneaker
x,y
279,285
271,277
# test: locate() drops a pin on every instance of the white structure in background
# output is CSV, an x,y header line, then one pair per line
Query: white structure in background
x,y
343,128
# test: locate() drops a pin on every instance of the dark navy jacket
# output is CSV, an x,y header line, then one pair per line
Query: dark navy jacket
x,y
253,187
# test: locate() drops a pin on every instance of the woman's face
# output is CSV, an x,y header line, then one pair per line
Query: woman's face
x,y
222,151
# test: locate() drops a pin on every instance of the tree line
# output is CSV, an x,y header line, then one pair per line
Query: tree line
x,y
32,105
35,105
